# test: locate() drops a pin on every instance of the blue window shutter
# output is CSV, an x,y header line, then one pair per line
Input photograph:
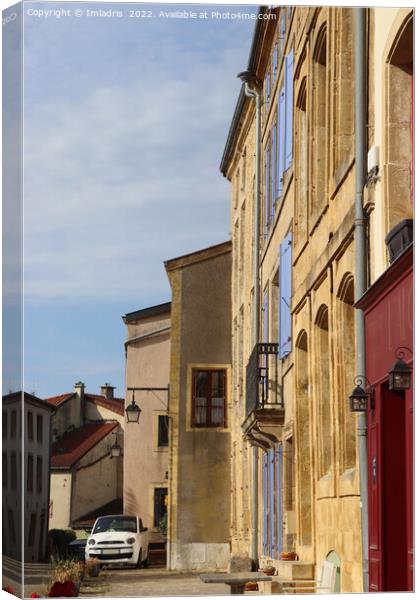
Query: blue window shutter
x,y
285,296
271,497
280,141
267,88
264,466
265,307
273,169
274,61
282,31
267,191
279,457
289,111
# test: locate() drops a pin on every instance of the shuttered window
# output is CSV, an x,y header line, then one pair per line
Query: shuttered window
x,y
265,504
267,190
285,124
273,172
285,295
279,476
271,499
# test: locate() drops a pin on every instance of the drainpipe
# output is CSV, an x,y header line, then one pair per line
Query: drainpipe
x,y
253,92
360,223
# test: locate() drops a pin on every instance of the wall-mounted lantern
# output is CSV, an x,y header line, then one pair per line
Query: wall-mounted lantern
x,y
359,397
116,449
400,373
133,411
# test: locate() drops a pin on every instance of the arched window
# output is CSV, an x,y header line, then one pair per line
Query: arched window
x,y
303,440
346,372
301,168
399,126
323,392
319,113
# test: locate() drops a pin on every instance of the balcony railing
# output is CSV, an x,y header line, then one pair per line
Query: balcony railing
x,y
262,386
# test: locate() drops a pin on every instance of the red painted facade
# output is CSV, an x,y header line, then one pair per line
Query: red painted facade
x,y
388,312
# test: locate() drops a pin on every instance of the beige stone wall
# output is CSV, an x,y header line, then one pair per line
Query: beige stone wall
x,y
199,516
60,494
147,365
95,479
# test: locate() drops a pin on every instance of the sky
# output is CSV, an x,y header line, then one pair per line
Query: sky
x,y
125,122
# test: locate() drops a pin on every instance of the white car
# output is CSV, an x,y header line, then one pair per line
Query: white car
x,y
119,539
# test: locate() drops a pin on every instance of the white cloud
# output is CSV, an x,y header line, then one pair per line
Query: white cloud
x,y
126,178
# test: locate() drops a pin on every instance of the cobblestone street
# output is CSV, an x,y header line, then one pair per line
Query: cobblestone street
x,y
119,583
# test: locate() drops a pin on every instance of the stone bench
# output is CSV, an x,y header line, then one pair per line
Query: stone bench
x,y
236,581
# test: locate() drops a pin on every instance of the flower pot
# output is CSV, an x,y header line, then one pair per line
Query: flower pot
x,y
94,570
288,555
251,586
269,570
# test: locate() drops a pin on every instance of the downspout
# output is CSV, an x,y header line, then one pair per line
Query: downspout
x,y
360,224
253,92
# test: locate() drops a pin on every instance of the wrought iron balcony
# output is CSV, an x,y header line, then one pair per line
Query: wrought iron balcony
x,y
264,401
262,388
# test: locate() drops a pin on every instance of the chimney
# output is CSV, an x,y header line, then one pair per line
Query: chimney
x,y
79,390
108,391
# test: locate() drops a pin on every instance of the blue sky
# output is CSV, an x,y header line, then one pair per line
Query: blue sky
x,y
125,125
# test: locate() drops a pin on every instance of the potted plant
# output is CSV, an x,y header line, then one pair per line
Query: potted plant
x,y
288,555
93,567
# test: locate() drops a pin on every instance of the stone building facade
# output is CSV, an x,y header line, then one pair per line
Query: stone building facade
x,y
147,349
295,463
200,410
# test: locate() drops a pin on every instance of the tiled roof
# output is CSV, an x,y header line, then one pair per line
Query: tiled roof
x,y
116,405
57,400
72,446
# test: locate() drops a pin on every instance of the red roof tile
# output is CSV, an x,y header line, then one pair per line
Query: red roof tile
x,y
116,405
72,446
57,400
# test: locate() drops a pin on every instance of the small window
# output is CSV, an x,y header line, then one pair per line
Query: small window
x,y
4,466
30,426
32,528
13,471
11,521
160,508
13,424
4,425
163,438
209,398
30,474
39,428
38,475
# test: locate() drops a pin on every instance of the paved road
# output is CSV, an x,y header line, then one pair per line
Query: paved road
x,y
120,583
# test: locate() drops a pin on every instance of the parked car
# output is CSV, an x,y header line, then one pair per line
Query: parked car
x,y
77,548
119,539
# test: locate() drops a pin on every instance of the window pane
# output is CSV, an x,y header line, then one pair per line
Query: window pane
x,y
200,411
162,430
30,426
39,474
4,426
13,470
39,428
4,465
201,383
13,424
32,527
30,475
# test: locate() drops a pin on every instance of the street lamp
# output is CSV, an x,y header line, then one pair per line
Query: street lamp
x,y
116,449
133,411
358,399
400,373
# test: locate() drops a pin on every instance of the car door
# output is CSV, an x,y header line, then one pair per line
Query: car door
x,y
143,537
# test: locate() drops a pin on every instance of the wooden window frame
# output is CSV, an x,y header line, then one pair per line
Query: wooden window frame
x,y
208,424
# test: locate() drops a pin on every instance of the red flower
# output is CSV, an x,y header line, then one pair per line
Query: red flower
x,y
8,589
34,595
63,590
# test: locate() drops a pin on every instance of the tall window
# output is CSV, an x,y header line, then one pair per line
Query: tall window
x,y
323,387
39,429
13,424
346,368
11,522
399,126
4,425
163,437
13,471
285,295
303,436
209,398
159,505
38,475
4,471
319,150
32,529
301,168
30,425
30,474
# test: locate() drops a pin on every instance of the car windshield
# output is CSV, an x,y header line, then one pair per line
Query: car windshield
x,y
115,524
